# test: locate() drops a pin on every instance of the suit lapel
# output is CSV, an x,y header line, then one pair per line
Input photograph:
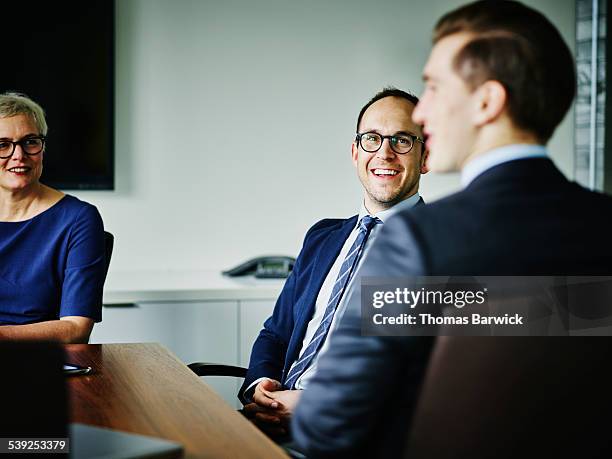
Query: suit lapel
x,y
324,259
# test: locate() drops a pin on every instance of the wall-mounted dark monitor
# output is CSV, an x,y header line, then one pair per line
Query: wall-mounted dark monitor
x,y
607,160
61,54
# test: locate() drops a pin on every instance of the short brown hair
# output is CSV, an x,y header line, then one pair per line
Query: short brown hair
x,y
521,49
389,91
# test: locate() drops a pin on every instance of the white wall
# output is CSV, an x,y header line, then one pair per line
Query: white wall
x,y
235,118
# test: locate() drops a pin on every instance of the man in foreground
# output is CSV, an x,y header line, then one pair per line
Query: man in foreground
x,y
499,80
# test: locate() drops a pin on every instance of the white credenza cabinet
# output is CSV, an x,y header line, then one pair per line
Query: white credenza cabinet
x,y
218,322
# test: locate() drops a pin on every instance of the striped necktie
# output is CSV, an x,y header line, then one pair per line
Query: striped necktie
x,y
346,271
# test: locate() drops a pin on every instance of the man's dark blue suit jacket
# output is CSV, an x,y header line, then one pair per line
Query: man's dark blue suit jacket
x,y
280,341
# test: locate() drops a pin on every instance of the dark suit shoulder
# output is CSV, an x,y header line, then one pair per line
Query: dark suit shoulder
x,y
323,227
523,217
594,198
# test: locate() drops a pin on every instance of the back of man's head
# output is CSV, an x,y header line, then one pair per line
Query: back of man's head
x,y
518,47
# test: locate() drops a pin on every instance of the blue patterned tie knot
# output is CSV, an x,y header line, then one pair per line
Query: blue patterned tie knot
x,y
346,271
368,222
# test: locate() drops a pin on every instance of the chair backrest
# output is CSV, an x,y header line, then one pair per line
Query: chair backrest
x,y
109,242
514,397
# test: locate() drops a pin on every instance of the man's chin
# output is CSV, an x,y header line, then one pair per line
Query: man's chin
x,y
388,199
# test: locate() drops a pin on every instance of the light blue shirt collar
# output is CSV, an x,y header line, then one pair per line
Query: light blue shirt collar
x,y
385,214
498,156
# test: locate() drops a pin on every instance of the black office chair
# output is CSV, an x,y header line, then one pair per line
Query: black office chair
x,y
216,369
109,242
511,397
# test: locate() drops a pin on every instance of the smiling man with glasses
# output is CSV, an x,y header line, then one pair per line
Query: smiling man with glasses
x,y
389,171
389,155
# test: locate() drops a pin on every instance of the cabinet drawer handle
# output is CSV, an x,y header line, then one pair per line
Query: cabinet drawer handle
x,y
121,305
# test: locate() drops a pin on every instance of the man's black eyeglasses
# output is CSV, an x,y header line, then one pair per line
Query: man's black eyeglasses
x,y
400,143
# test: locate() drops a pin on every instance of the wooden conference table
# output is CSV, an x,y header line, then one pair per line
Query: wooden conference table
x,y
145,389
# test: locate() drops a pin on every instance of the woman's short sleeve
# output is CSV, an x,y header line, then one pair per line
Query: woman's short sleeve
x,y
85,267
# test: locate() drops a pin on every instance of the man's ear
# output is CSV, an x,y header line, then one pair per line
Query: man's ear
x,y
354,153
424,156
491,98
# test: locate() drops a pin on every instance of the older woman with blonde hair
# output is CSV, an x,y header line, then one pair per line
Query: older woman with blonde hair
x,y
52,263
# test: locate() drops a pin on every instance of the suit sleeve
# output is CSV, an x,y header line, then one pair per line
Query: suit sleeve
x,y
364,381
270,347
